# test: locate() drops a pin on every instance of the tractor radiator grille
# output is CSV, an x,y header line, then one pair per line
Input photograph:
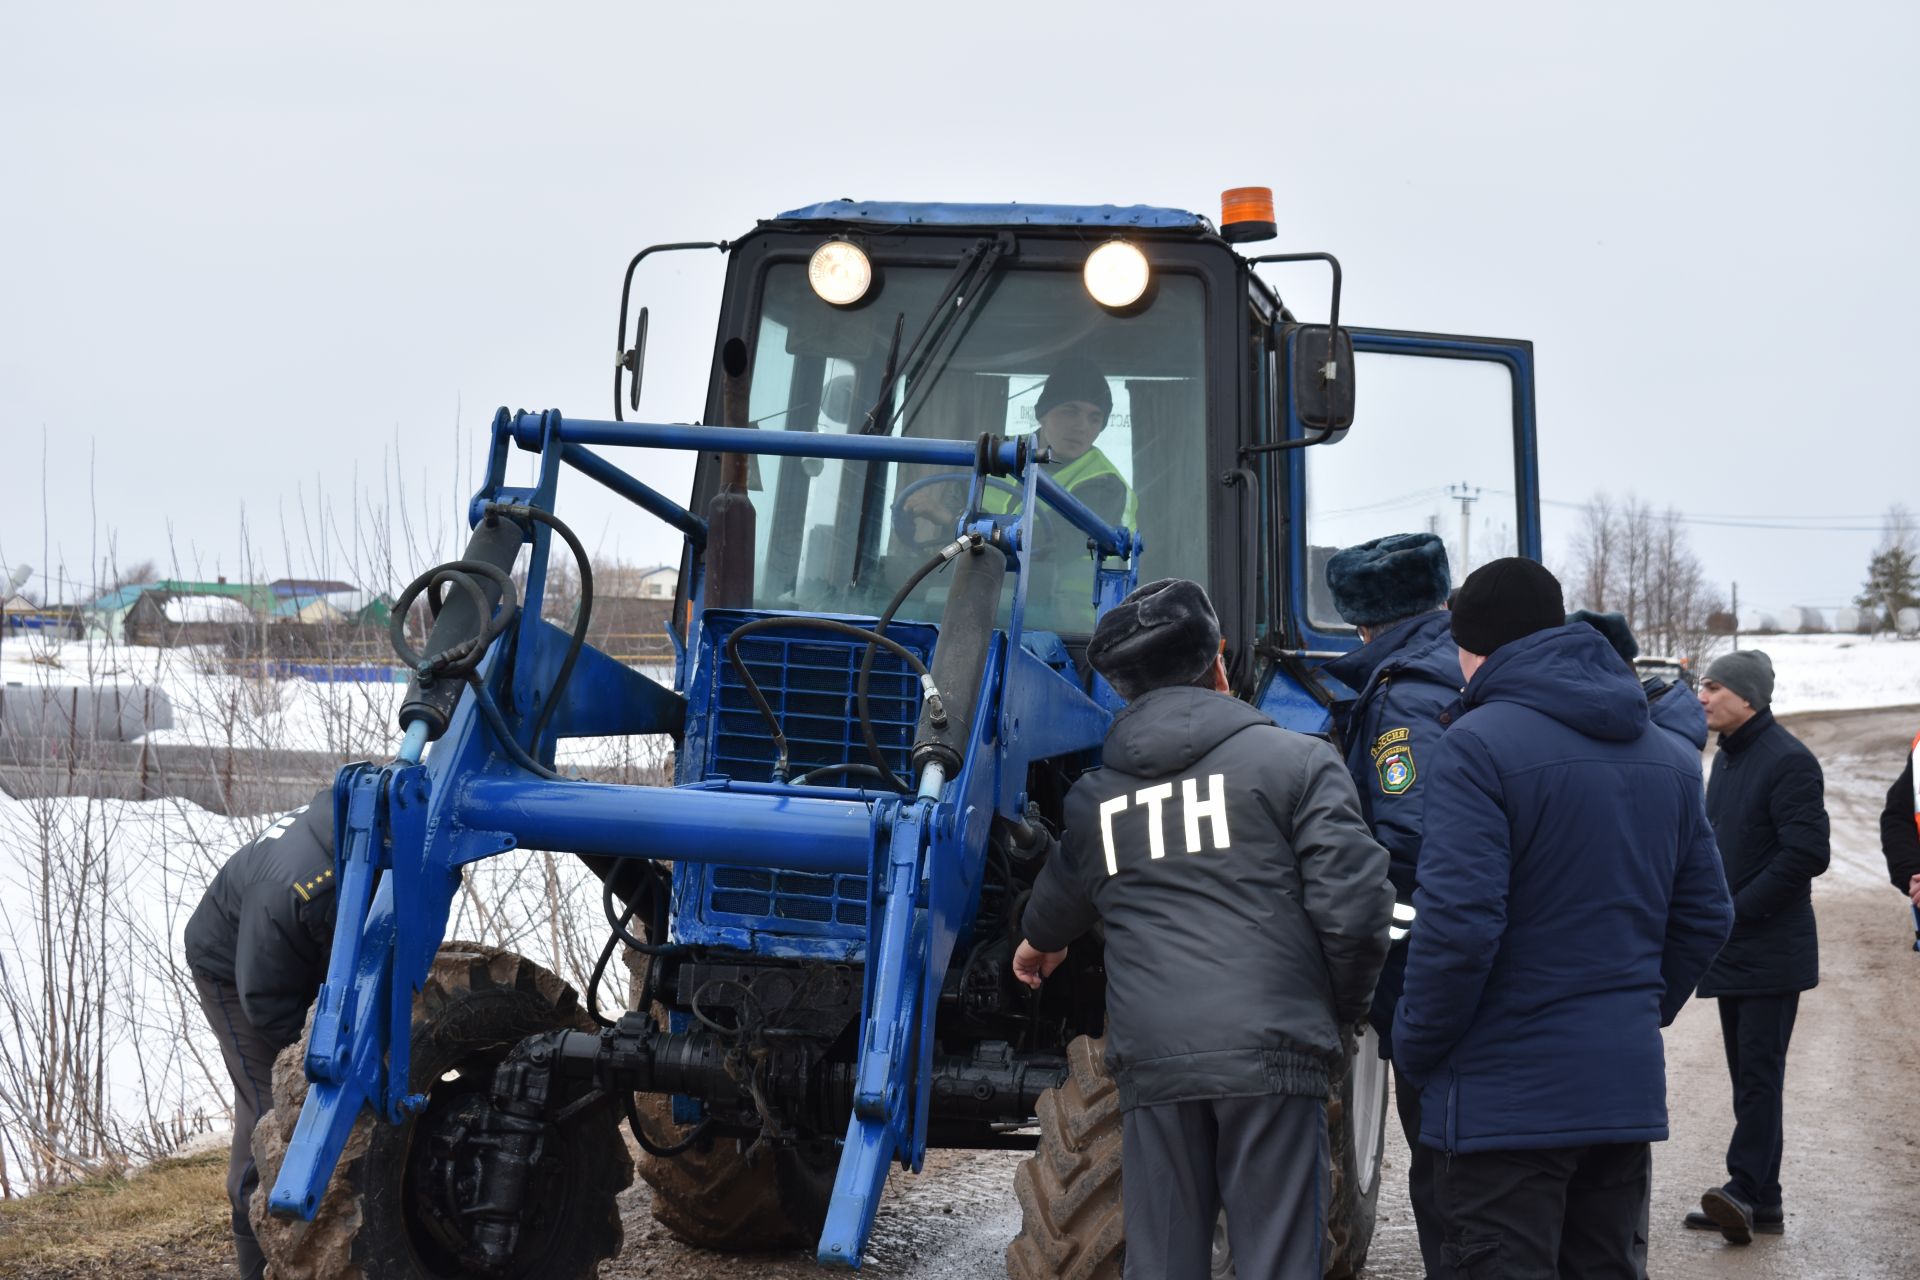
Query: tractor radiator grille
x,y
808,678
789,896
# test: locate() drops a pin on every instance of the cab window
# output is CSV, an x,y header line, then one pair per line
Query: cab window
x,y
1431,451
1125,419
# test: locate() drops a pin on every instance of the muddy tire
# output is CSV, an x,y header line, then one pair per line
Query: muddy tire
x,y
373,1222
1069,1190
711,1197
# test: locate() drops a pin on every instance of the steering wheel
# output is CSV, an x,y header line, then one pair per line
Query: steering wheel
x,y
905,521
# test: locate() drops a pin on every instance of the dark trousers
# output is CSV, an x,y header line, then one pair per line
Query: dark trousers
x,y
1756,1030
249,1057
1263,1160
1423,1175
1558,1213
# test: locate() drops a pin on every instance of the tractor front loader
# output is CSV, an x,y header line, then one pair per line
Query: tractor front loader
x,y
878,701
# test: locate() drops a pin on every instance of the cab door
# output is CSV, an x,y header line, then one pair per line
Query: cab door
x,y
1443,440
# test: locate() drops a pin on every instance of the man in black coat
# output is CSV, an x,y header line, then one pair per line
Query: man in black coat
x,y
1765,799
1900,836
1246,911
258,945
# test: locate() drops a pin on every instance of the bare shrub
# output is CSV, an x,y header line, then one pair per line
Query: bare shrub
x,y
1632,560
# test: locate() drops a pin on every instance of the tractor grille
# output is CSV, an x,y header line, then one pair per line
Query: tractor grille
x,y
808,678
788,896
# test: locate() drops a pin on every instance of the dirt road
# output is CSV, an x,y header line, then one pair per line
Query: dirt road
x,y
1853,1130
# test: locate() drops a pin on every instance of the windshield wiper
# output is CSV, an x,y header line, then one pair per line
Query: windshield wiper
x,y
976,264
968,283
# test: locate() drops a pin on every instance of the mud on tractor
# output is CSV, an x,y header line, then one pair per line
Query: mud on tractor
x,y
879,699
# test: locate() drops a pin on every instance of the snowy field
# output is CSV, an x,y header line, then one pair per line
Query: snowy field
x,y
1840,673
94,894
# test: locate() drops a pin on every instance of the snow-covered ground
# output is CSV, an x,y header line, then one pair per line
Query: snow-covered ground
x,y
1840,673
94,894
214,706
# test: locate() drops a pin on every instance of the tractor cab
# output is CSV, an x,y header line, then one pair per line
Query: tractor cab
x,y
1184,395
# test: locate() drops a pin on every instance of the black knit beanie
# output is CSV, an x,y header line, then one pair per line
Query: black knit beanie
x,y
1503,601
1074,378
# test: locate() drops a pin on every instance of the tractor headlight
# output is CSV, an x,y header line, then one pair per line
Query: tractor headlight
x,y
1116,274
840,273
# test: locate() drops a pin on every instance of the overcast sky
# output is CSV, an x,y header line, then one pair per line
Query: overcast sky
x,y
251,259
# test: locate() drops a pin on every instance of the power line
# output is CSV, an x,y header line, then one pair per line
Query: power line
x,y
1735,521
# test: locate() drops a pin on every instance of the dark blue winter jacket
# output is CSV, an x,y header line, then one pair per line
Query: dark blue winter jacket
x,y
1570,896
1408,675
1675,709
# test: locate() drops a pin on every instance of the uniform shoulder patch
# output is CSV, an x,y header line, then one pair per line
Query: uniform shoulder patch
x,y
314,884
1393,760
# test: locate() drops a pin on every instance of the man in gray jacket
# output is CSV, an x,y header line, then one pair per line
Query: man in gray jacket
x,y
1246,911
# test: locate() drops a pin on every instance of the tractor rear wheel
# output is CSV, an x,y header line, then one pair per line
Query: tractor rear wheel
x,y
711,1197
383,1217
1070,1188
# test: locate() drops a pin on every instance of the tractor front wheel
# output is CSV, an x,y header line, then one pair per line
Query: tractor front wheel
x,y
387,1214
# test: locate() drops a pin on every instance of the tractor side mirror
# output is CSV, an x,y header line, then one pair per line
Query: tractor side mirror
x,y
1320,382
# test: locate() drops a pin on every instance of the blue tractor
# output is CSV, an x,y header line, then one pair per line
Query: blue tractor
x,y
893,556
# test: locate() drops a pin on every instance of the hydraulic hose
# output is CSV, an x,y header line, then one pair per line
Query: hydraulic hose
x,y
939,560
930,692
578,640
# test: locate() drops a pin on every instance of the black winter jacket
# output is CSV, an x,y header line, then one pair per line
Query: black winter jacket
x,y
1899,834
265,924
1766,800
1246,907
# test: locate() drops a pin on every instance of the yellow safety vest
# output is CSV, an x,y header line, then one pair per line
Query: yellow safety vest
x,y
1090,465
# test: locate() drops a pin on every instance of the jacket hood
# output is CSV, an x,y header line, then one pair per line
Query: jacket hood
x,y
1674,708
1166,730
1570,673
1424,644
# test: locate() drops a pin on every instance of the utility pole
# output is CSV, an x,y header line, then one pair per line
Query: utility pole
x,y
1735,606
1466,495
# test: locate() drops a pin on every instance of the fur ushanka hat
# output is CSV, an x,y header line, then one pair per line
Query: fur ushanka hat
x,y
1398,576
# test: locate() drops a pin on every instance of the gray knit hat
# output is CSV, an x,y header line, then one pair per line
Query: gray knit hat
x,y
1748,672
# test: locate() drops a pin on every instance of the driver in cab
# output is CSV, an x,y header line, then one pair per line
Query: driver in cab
x,y
1072,411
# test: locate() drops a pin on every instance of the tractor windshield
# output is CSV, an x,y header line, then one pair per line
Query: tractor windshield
x,y
1119,399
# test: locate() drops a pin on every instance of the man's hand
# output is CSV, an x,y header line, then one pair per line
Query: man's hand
x,y
1913,890
1032,965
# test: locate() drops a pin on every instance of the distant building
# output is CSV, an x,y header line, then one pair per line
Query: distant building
x,y
658,583
108,615
22,616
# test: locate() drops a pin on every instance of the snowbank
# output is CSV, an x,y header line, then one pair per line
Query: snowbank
x,y
1840,672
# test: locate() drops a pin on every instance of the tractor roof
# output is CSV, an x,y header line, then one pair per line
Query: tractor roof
x,y
936,214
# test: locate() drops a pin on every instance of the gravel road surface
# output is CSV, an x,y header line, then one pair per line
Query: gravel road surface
x,y
1853,1132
